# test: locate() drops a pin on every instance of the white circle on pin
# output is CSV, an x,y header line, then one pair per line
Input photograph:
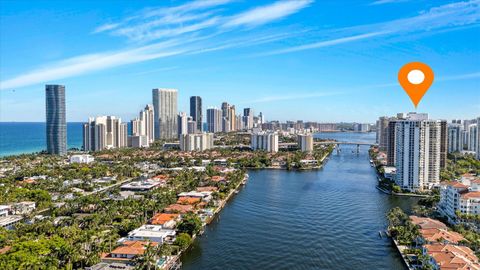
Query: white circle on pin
x,y
416,76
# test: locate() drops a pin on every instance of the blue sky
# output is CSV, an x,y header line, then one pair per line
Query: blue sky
x,y
323,61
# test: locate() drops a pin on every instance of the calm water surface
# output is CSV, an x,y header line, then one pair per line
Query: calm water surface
x,y
21,138
325,219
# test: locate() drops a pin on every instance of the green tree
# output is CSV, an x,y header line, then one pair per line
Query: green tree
x,y
183,240
190,224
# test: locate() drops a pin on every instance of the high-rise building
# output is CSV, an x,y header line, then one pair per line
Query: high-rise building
x,y
165,113
192,126
248,118
182,124
214,120
104,132
267,141
472,137
382,133
261,118
148,123
305,142
478,138
56,119
443,144
417,153
229,121
143,126
391,142
196,142
196,111
455,138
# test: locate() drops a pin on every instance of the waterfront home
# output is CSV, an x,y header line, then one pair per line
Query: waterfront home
x,y
205,196
127,252
309,162
189,200
110,266
439,235
451,257
218,179
207,188
167,221
179,208
152,233
427,223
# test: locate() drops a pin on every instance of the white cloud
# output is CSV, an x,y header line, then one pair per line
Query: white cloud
x,y
326,43
381,2
91,62
265,14
438,18
105,27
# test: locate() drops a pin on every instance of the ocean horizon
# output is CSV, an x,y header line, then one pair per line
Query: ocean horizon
x,y
30,137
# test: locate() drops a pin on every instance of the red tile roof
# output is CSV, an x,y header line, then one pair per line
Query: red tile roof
x,y
427,223
162,218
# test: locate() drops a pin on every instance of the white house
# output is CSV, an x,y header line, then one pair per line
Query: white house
x,y
82,159
153,233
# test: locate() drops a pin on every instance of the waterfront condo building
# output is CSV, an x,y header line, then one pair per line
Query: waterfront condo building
x,y
104,132
165,113
196,112
214,120
196,142
305,142
267,141
417,152
382,132
56,129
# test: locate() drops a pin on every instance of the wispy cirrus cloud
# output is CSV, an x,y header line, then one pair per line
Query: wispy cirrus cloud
x,y
169,31
265,14
452,15
382,2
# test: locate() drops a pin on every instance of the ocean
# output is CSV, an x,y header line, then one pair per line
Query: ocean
x,y
29,137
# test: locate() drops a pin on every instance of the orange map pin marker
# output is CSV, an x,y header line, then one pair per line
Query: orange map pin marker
x,y
415,78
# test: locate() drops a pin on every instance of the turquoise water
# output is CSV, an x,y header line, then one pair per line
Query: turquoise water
x,y
20,138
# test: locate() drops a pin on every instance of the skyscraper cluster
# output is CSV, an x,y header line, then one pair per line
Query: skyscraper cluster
x,y
104,132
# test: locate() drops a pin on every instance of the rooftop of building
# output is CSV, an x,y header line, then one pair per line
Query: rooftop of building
x,y
133,247
427,223
162,218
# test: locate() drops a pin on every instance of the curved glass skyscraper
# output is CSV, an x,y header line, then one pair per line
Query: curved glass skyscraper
x,y
56,120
